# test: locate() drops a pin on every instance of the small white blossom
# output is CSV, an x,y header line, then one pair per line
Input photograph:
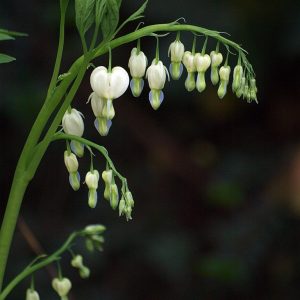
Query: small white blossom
x,y
137,63
72,122
224,73
71,162
202,62
216,58
188,61
32,295
109,85
92,179
176,50
62,286
97,104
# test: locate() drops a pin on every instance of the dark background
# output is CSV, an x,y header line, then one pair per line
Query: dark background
x,y
216,183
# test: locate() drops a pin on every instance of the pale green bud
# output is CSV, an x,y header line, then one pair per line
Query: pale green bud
x,y
129,199
89,245
107,176
71,162
122,206
114,196
240,90
222,89
214,75
62,286
32,295
77,148
202,62
77,262
74,179
224,73
201,84
188,61
216,58
176,69
92,198
253,84
84,272
107,192
128,211
94,229
190,83
92,179
237,77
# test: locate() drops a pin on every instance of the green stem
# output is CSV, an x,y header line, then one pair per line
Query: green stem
x,y
33,268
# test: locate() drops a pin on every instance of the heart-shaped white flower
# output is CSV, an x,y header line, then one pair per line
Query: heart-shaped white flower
x,y
137,63
156,75
188,61
224,73
109,85
216,58
202,62
61,286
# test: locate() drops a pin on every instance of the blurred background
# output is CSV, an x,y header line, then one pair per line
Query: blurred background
x,y
216,182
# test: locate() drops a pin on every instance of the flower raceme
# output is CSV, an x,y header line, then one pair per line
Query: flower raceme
x,y
137,65
156,75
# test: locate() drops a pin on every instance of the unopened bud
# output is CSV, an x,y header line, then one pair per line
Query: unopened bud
x,y
71,162
77,262
107,176
62,286
237,77
77,148
93,198
190,83
122,206
129,199
84,272
94,229
114,196
201,84
32,295
92,179
74,179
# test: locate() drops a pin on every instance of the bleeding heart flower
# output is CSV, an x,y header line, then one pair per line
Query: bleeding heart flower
x,y
62,286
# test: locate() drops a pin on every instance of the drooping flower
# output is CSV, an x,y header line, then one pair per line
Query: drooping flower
x,y
62,286
156,75
107,177
137,65
71,164
31,294
188,61
224,79
91,180
216,60
202,63
176,50
237,77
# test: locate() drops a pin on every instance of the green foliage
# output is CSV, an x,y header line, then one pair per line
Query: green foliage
x,y
4,58
100,9
85,15
5,37
110,18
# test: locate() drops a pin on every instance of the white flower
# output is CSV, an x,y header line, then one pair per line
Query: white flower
x,y
72,122
71,162
32,295
224,73
177,50
188,61
216,58
97,104
62,286
156,75
92,179
137,63
109,85
107,176
202,62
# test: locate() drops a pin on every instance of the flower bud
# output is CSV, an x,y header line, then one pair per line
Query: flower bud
x,y
92,179
216,58
107,176
137,63
201,84
77,148
102,125
62,286
32,295
237,77
202,62
71,162
156,75
72,122
92,198
74,180
94,229
109,85
176,50
84,272
224,73
240,90
114,196
190,83
214,75
107,191
122,206
188,61
77,262
128,211
222,89
129,199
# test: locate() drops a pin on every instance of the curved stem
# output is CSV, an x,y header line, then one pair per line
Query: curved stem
x,y
34,267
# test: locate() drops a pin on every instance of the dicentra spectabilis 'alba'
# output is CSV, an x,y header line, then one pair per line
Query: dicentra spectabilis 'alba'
x,y
188,61
32,295
71,164
202,63
156,75
237,77
224,78
94,229
109,85
107,177
240,90
72,122
97,104
62,286
77,261
216,60
91,180
114,196
137,65
176,50
102,125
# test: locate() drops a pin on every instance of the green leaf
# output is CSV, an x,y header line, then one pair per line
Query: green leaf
x,y
110,18
12,33
100,10
138,14
6,58
85,15
5,37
